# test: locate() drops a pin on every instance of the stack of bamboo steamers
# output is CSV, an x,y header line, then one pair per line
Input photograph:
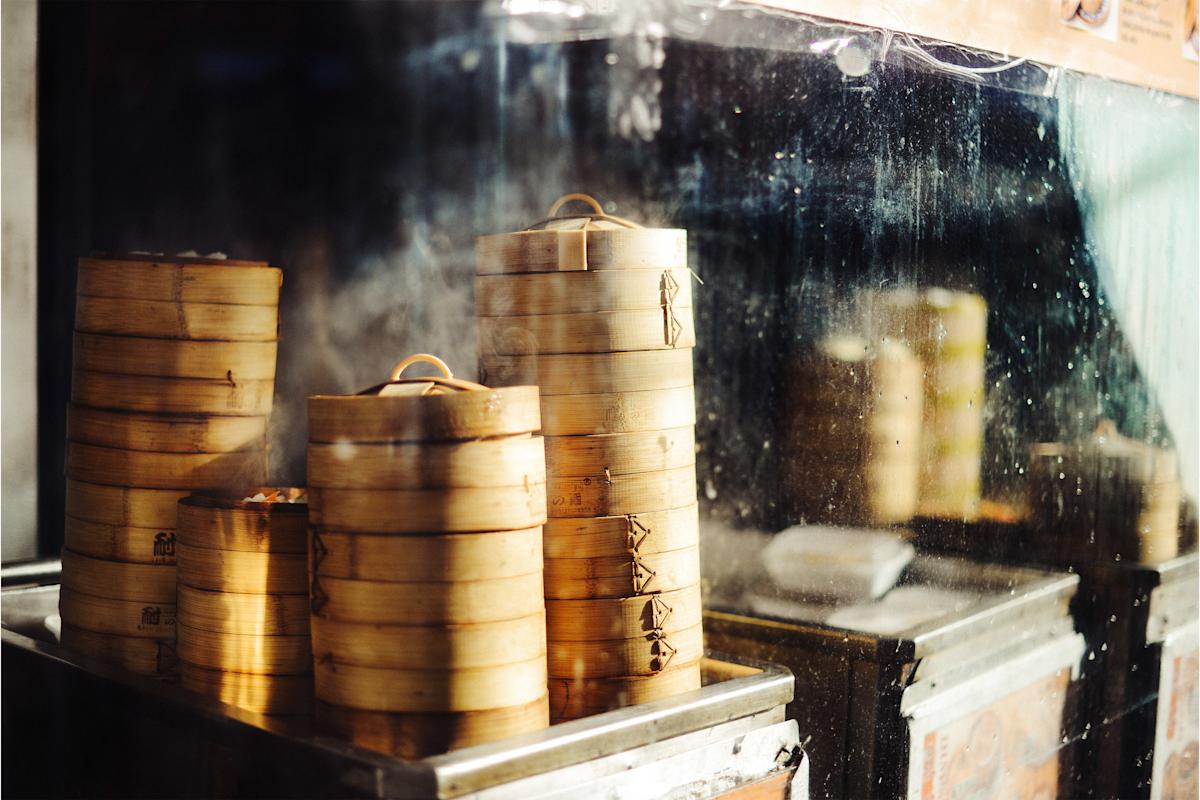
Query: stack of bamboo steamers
x,y
597,312
174,369
427,498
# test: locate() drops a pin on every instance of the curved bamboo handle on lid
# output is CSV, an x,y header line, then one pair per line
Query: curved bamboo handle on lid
x,y
418,358
596,215
444,381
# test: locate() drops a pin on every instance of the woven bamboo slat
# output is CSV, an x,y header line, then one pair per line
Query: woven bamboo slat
x,y
430,603
667,328
119,505
241,571
604,496
172,395
591,373
229,522
164,434
431,557
623,617
621,576
142,468
177,358
134,618
421,735
140,655
151,583
119,543
265,694
167,319
261,655
622,412
581,292
403,418
180,279
614,658
427,690
425,510
427,646
427,465
614,454
572,698
648,532
578,249
243,614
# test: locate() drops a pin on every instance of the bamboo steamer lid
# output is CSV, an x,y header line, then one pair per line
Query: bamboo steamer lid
x,y
423,410
180,279
424,510
581,292
621,412
591,373
519,459
120,542
136,654
229,521
241,571
623,617
133,618
159,395
595,241
572,698
243,614
612,454
621,576
428,603
143,468
264,694
176,358
667,328
420,646
119,505
646,532
168,319
605,496
421,735
151,583
261,655
164,434
614,658
446,557
436,689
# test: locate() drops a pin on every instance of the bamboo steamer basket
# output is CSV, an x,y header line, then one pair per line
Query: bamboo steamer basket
x,y
169,319
591,373
605,496
427,734
243,614
412,647
596,241
428,603
177,358
427,465
667,328
119,542
431,690
439,558
185,396
123,506
164,434
132,618
650,654
619,412
150,583
621,576
646,532
620,453
623,617
424,510
244,653
142,468
226,521
575,697
140,655
264,694
180,279
581,292
241,571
